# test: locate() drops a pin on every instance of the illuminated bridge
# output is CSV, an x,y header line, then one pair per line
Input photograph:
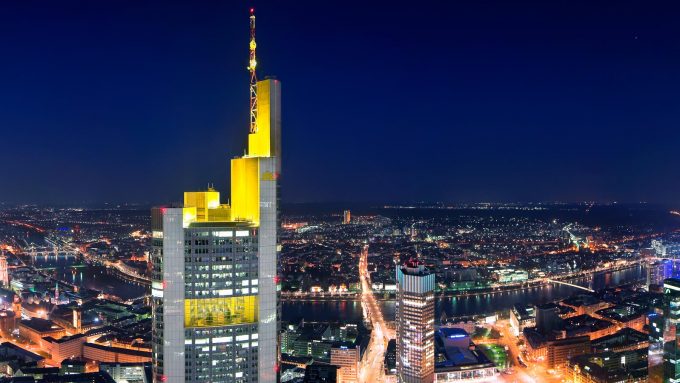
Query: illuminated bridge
x,y
569,284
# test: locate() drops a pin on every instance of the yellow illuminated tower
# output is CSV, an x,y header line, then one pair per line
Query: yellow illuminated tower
x,y
215,283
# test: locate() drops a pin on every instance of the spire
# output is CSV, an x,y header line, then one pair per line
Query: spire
x,y
252,64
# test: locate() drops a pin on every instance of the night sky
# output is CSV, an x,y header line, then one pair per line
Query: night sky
x,y
137,101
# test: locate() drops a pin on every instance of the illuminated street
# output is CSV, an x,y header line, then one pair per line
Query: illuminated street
x,y
372,363
534,372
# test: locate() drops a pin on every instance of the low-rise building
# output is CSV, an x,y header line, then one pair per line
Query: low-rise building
x,y
625,339
511,276
587,325
108,354
65,347
625,316
35,329
622,367
126,372
585,304
457,360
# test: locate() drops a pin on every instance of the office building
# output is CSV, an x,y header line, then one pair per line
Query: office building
x,y
559,351
521,317
415,323
671,352
346,355
346,217
214,281
125,372
4,275
457,360
606,367
390,362
657,271
548,318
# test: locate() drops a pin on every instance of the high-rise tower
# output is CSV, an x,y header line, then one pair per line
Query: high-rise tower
x,y
671,333
4,275
415,323
215,283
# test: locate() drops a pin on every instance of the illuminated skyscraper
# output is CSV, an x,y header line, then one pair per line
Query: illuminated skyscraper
x,y
215,284
346,217
671,347
658,271
415,323
4,275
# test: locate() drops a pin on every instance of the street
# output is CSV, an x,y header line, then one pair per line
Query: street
x,y
372,364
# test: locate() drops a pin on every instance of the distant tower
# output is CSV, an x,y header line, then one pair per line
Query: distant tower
x,y
415,323
4,275
346,217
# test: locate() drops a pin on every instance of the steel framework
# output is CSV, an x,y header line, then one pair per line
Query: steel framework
x,y
252,64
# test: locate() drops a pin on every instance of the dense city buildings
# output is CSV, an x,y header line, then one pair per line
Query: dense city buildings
x,y
85,296
96,307
415,323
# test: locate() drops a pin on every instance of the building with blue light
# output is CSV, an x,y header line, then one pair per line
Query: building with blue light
x,y
458,360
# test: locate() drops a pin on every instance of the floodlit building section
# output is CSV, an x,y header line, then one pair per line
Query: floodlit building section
x,y
204,202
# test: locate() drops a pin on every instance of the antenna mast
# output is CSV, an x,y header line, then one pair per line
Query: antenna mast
x,y
253,76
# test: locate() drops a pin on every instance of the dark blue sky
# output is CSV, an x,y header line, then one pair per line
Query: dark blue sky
x,y
440,100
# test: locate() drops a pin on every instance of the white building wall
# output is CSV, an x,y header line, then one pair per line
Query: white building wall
x,y
267,264
173,295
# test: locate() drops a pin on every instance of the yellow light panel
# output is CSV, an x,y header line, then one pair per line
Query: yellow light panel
x,y
245,189
259,143
202,201
212,312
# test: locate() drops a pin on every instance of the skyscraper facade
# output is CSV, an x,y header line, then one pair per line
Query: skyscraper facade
x,y
657,271
4,275
671,347
214,284
415,323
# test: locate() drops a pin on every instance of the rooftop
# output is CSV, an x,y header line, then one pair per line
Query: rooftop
x,y
41,325
453,351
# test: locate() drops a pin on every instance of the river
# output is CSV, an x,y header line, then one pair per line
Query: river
x,y
95,277
462,306
91,277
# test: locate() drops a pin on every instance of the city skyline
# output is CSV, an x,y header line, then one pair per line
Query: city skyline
x,y
494,103
228,287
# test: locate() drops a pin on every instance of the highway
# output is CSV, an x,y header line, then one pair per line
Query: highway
x,y
372,364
